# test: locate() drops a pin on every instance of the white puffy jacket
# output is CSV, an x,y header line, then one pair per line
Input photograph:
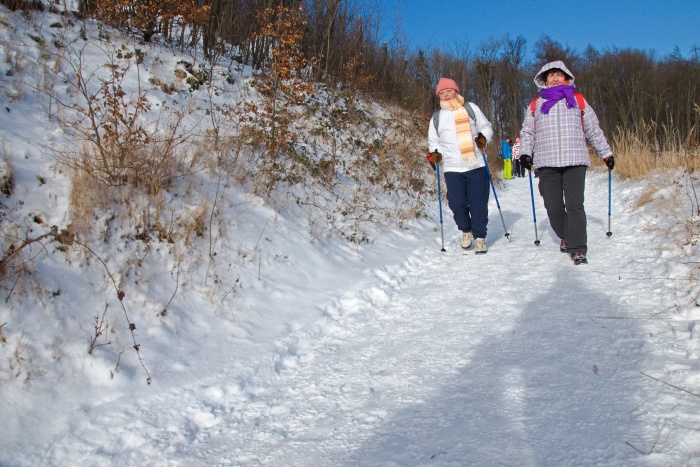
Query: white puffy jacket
x,y
445,139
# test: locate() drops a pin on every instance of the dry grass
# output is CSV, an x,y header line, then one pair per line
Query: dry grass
x,y
7,177
637,156
195,225
646,196
676,197
88,197
670,175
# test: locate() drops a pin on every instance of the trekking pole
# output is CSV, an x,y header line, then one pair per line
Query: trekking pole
x,y
609,233
442,233
493,187
534,216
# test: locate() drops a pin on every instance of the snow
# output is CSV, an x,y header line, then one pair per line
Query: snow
x,y
316,351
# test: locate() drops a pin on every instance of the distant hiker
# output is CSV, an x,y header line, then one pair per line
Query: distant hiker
x,y
556,130
517,170
454,132
507,159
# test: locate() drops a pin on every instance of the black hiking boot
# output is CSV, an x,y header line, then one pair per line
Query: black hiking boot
x,y
579,258
562,246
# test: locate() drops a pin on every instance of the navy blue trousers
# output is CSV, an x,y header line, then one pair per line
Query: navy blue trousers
x,y
468,198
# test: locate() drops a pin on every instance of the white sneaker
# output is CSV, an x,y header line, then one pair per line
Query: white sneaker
x,y
466,240
480,246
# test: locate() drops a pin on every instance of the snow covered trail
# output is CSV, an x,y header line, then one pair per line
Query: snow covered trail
x,y
516,357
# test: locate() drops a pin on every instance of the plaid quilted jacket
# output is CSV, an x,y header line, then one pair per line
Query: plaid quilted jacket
x,y
558,139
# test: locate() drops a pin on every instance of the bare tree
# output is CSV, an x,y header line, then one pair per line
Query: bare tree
x,y
485,82
512,78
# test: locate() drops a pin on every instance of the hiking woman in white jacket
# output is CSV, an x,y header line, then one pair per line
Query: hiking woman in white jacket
x,y
555,130
460,138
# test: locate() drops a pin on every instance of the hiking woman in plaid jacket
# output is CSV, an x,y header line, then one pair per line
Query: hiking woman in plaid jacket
x,y
555,131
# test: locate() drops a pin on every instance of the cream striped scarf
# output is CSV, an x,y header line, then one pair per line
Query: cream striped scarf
x,y
464,128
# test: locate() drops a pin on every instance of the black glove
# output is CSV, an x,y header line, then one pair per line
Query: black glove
x,y
480,141
610,162
525,162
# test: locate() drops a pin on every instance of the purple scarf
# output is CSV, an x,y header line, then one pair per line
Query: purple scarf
x,y
555,94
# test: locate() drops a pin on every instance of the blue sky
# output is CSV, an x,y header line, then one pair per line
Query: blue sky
x,y
641,24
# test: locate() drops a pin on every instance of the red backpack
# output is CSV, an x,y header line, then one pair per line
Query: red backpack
x,y
579,99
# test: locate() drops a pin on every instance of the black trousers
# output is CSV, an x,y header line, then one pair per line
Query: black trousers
x,y
562,189
517,170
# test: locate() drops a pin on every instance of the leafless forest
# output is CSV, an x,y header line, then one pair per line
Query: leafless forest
x,y
634,90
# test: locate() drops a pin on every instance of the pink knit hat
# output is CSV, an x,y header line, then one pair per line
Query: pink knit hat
x,y
517,140
446,83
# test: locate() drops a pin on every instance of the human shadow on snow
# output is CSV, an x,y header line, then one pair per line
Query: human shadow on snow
x,y
551,390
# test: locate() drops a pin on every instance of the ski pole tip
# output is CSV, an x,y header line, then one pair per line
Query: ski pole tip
x,y
537,243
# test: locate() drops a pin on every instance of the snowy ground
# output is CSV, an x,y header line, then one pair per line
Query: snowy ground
x,y
405,355
289,348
